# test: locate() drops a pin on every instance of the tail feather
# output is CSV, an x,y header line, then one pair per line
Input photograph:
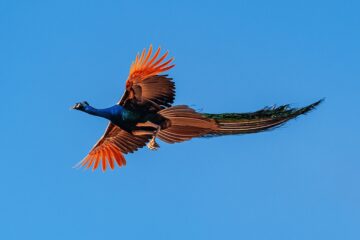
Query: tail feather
x,y
186,123
259,121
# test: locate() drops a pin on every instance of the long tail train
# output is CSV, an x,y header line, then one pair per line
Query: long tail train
x,y
186,123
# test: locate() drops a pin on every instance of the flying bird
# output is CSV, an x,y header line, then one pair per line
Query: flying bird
x,y
145,112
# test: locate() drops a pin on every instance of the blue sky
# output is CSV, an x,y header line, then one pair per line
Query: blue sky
x,y
298,182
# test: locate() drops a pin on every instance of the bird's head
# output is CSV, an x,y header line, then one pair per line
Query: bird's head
x,y
80,106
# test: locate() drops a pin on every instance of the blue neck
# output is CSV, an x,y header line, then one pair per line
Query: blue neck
x,y
108,113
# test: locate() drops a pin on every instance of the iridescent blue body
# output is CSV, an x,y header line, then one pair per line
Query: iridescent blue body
x,y
118,115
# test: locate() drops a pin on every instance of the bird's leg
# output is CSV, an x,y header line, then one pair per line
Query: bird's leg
x,y
153,145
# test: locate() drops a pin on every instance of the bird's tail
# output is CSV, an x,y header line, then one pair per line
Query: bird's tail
x,y
186,123
262,120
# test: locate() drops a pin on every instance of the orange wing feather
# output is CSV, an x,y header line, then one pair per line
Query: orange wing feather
x,y
146,66
144,73
110,148
145,83
106,154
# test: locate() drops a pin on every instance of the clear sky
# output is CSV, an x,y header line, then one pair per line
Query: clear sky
x,y
298,182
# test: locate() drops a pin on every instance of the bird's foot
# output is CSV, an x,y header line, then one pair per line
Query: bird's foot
x,y
153,145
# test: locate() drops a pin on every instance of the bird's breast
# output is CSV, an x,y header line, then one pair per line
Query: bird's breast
x,y
130,116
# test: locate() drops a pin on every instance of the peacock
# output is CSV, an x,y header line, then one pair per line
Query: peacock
x,y
145,113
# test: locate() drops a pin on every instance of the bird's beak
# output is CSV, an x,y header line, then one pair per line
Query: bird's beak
x,y
73,107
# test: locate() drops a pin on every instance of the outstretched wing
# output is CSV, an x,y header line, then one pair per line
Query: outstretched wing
x,y
145,86
110,148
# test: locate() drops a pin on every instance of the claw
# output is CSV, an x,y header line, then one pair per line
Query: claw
x,y
153,145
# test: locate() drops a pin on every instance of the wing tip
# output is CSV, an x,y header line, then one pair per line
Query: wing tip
x,y
147,64
104,159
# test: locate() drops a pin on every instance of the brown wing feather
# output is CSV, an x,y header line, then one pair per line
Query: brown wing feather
x,y
158,89
144,84
111,146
